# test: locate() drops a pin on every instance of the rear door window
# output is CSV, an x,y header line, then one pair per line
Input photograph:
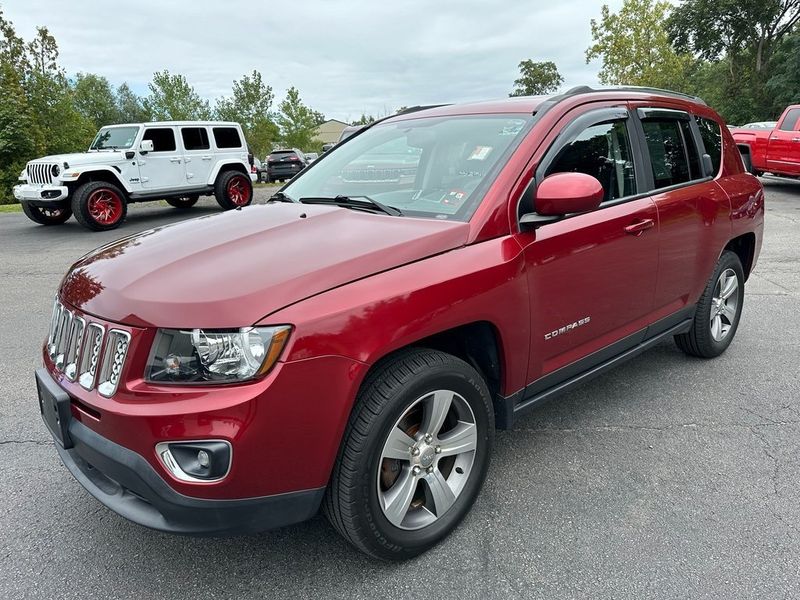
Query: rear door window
x,y
195,138
163,138
673,153
227,137
604,152
790,122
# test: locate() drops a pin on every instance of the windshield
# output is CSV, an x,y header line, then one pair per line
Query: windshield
x,y
114,138
437,167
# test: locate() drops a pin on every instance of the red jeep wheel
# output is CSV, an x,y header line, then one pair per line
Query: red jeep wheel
x,y
239,190
99,206
233,189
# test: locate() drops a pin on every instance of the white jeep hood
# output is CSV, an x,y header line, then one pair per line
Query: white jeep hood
x,y
83,158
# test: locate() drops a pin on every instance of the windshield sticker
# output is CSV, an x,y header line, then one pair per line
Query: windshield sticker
x,y
513,127
480,153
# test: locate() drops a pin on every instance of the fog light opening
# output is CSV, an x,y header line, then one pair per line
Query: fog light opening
x,y
200,461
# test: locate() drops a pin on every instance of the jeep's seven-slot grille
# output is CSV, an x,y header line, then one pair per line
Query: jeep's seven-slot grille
x,y
40,173
76,348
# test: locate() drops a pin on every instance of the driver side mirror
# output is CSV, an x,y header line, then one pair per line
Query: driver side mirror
x,y
563,194
146,146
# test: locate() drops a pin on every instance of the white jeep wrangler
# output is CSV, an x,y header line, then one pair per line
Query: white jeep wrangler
x,y
176,161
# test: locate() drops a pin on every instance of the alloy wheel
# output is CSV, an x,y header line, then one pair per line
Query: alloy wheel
x,y
105,206
724,305
239,191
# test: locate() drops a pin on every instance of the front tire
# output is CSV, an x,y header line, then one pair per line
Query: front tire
x,y
233,189
183,202
718,312
46,216
99,206
414,455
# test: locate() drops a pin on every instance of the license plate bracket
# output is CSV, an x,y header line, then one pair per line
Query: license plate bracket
x,y
54,404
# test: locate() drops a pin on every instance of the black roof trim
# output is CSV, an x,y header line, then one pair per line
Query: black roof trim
x,y
585,89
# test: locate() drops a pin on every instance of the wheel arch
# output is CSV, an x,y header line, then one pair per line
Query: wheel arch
x,y
744,246
106,174
226,166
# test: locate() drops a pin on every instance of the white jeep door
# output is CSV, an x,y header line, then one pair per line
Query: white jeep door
x,y
163,168
198,157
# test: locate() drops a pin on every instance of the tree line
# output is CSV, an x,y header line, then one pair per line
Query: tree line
x,y
43,111
741,56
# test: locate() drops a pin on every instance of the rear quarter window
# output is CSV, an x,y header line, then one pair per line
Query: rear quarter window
x,y
227,137
711,133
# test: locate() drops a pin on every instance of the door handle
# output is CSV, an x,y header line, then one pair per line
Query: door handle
x,y
175,160
796,139
640,227
206,157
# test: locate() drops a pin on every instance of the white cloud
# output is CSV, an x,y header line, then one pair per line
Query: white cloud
x,y
345,56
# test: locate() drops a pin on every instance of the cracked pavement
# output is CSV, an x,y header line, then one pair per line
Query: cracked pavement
x,y
669,477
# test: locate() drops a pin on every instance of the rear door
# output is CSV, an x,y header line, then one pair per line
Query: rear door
x,y
783,151
693,210
591,276
163,168
197,155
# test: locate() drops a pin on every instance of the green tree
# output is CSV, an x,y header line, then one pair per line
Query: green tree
x,y
297,122
364,120
634,46
251,105
536,78
18,131
95,99
173,99
130,106
783,86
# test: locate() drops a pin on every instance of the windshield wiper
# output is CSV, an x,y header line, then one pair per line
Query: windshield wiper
x,y
356,202
280,197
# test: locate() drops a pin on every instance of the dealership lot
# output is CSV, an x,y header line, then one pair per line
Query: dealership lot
x,y
668,477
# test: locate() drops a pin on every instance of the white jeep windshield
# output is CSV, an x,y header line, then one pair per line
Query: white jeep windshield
x,y
114,138
436,167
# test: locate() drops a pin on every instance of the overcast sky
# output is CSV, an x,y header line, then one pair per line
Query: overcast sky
x,y
345,56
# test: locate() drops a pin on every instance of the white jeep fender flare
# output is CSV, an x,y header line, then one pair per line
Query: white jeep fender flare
x,y
215,171
103,169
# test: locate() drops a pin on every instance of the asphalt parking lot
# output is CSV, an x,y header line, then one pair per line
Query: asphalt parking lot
x,y
669,477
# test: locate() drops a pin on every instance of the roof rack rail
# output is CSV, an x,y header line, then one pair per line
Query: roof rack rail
x,y
585,89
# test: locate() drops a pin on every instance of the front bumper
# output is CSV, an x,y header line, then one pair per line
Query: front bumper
x,y
41,195
126,483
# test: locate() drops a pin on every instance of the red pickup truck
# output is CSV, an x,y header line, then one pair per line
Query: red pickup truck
x,y
775,151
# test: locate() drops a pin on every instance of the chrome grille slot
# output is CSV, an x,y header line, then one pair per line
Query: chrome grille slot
x,y
74,347
51,336
62,336
91,355
113,360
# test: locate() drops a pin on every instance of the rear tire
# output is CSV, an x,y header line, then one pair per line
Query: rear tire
x,y
233,189
183,202
718,312
47,216
417,443
99,206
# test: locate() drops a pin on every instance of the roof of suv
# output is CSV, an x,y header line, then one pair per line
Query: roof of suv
x,y
176,124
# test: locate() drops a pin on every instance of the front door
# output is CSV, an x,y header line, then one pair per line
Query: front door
x,y
783,153
163,168
592,277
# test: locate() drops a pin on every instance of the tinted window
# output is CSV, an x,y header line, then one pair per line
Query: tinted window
x,y
114,138
195,138
163,138
604,152
711,133
790,122
227,137
673,154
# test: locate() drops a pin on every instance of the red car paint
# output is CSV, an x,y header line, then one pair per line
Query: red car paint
x,y
356,287
777,150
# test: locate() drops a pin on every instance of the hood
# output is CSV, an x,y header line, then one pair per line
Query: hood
x,y
232,269
83,158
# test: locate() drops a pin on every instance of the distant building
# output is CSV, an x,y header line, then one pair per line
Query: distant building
x,y
329,131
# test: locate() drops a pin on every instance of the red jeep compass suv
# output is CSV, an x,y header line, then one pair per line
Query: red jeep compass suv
x,y
354,345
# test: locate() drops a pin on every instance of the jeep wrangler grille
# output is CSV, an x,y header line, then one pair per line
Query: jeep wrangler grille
x,y
40,173
75,345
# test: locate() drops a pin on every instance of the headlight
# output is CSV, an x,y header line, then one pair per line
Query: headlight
x,y
213,355
55,170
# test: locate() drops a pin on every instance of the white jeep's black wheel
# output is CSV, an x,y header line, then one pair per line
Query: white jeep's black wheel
x,y
99,206
183,201
718,311
414,455
233,189
46,216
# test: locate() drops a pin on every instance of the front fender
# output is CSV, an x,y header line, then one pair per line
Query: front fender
x,y
372,317
97,169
